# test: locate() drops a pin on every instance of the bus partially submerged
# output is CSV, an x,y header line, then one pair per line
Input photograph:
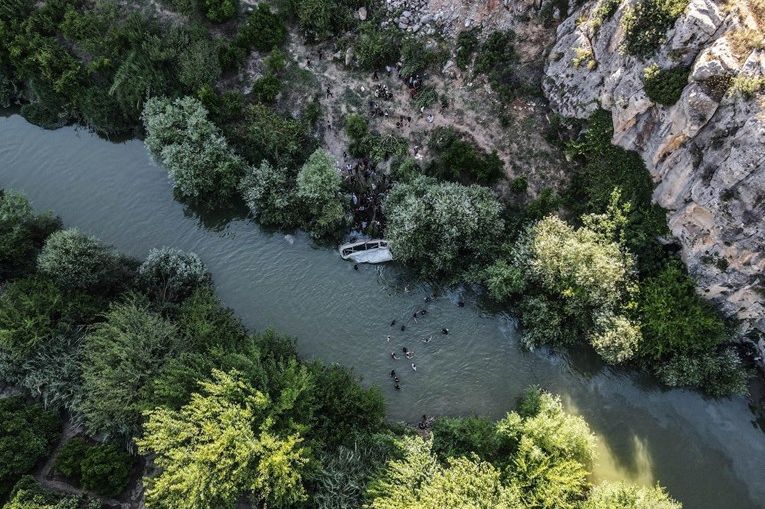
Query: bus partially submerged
x,y
367,251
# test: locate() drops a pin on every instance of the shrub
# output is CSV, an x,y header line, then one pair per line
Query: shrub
x,y
718,374
205,323
467,44
198,64
171,275
69,457
345,471
201,164
219,10
646,23
418,56
321,19
461,161
233,419
101,468
52,373
519,184
263,133
664,86
376,47
496,59
266,88
262,30
318,189
27,434
618,495
121,356
675,319
22,234
747,86
105,469
34,309
453,437
440,227
341,406
28,494
78,261
269,194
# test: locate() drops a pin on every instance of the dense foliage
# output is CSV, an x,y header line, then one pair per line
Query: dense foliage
x,y
318,189
172,275
27,434
665,86
199,160
458,160
77,261
22,234
440,227
227,416
100,468
646,23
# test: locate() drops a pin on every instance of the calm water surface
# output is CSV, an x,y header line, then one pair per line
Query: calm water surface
x,y
708,453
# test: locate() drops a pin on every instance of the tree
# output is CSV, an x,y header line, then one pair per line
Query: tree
x,y
219,10
171,275
440,227
201,164
27,434
262,30
418,481
22,234
318,189
618,495
219,446
33,309
27,494
78,261
270,195
121,356
105,469
459,160
675,319
553,451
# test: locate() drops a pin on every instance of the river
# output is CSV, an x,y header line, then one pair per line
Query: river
x,y
708,453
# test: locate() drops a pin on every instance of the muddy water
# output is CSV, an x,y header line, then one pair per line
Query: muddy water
x,y
708,453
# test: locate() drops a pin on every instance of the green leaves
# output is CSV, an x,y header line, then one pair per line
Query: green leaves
x,y
318,189
439,228
219,446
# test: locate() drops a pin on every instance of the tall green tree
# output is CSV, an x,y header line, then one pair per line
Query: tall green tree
x,y
440,228
221,446
121,357
318,189
78,261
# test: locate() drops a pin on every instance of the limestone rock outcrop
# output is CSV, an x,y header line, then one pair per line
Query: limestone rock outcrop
x,y
706,153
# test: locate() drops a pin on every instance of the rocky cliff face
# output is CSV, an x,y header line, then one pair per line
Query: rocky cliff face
x,y
706,152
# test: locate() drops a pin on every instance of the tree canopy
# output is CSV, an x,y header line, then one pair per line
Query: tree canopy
x,y
219,446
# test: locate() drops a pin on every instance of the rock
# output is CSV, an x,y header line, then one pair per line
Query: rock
x,y
407,14
362,13
706,153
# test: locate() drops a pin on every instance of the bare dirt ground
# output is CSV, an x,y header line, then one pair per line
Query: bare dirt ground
x,y
472,108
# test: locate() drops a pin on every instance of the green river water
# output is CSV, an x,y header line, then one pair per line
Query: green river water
x,y
708,453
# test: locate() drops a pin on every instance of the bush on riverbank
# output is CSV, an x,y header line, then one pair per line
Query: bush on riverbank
x,y
441,228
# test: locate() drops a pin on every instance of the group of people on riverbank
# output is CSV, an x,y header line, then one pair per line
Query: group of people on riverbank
x,y
367,187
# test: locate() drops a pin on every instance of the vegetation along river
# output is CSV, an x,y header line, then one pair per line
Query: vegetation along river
x,y
708,453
